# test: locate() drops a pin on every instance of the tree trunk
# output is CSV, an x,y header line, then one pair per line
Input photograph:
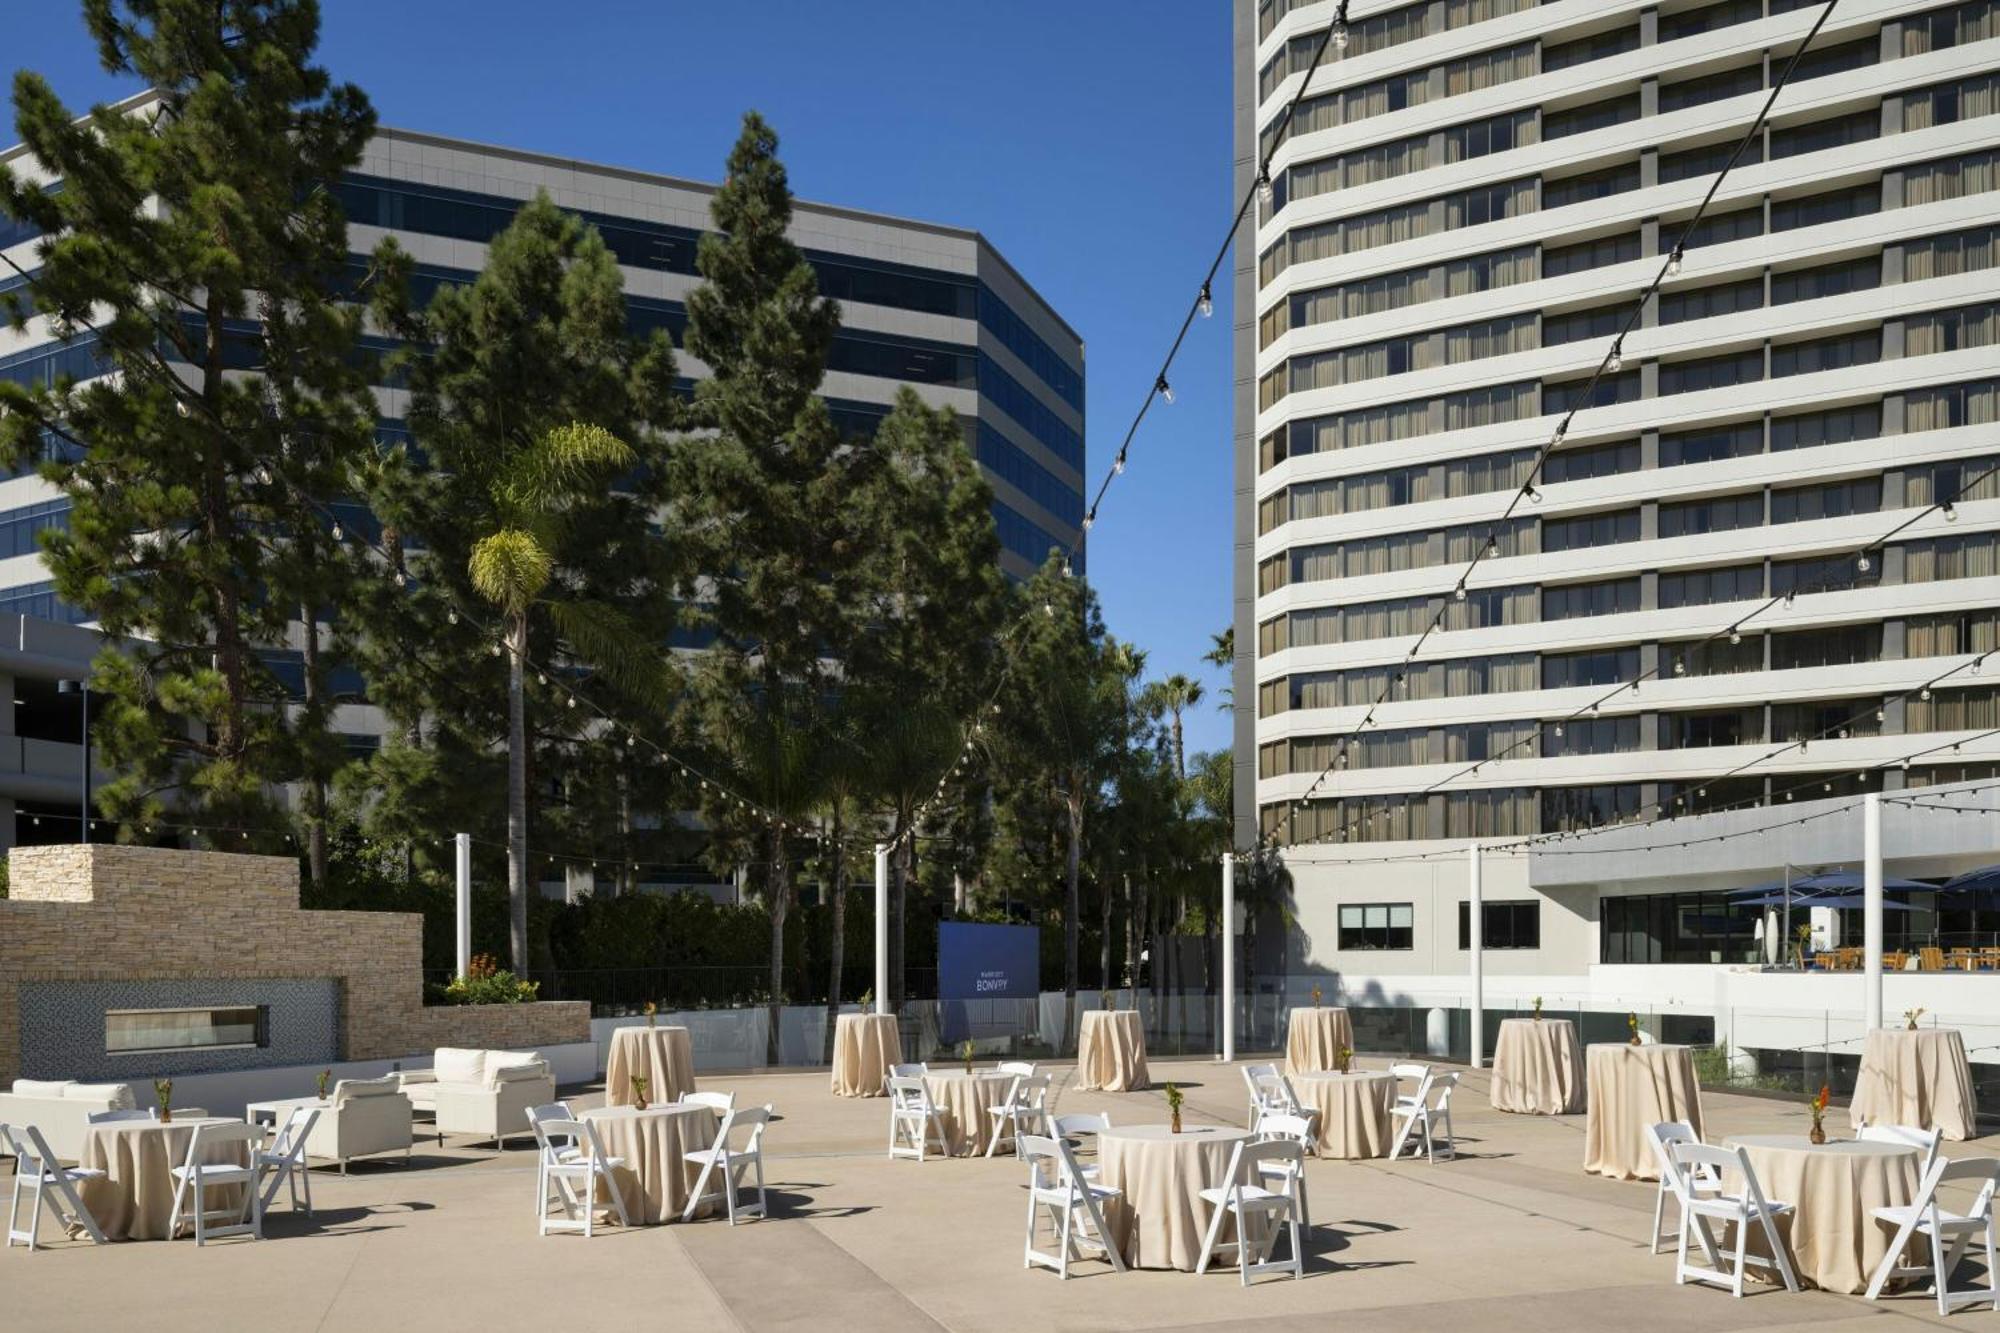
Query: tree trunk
x,y
517,792
1180,755
1104,978
1073,901
315,778
1132,938
838,945
778,901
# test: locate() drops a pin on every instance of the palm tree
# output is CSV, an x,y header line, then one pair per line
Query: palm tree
x,y
511,567
1222,654
1173,697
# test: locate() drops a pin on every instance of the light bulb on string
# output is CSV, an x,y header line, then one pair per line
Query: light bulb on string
x,y
338,533
1164,389
1674,263
1265,193
1950,511
1863,564
1118,464
1616,361
1533,496
452,615
1205,303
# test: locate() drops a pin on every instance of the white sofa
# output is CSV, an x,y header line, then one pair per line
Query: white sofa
x,y
61,1109
367,1116
482,1093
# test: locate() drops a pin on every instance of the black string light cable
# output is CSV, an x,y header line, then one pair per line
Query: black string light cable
x,y
1611,363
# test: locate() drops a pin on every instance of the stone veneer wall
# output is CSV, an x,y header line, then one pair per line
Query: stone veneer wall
x,y
108,913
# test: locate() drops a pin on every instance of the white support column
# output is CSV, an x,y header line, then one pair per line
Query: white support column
x,y
1871,907
463,935
1228,957
881,927
1475,930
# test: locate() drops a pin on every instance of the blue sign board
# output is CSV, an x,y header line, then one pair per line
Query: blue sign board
x,y
981,962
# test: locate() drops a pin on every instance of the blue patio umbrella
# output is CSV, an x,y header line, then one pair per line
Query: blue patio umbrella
x,y
1831,881
1986,877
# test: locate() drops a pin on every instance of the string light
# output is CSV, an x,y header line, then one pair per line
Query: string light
x,y
1264,191
1205,303
1164,389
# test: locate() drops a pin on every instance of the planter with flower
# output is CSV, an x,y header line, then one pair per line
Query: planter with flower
x,y
1315,995
163,1094
1538,1008
965,1052
1910,1017
641,1085
1632,1024
652,1011
1818,1108
325,1079
1343,1059
1174,1100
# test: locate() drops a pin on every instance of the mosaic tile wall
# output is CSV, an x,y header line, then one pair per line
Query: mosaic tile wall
x,y
62,1027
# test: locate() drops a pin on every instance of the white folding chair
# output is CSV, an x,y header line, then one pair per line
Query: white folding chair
x,y
576,1176
549,1151
1252,1076
1244,1202
1024,1111
1071,1129
283,1160
1406,1104
917,1070
1924,1141
115,1117
914,1119
1430,1112
1058,1190
732,1162
723,1102
1740,1210
1290,1175
37,1173
201,1173
1701,1181
1939,1224
1021,1067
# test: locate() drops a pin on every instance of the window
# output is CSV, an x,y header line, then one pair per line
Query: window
x,y
1954,710
150,1031
1830,718
1948,103
1953,25
1711,443
1725,513
1975,555
1714,229
1712,372
1953,330
1507,925
1806,284
1837,425
1720,657
1954,479
1376,926
1591,735
1580,325
1971,403
1705,587
1842,350
1811,210
1591,116
1566,808
1597,46
1857,495
1820,135
1822,574
21,529
1707,160
1727,726
1952,632
1590,185
1834,645
1575,600
1594,460
1587,530
1586,255
1598,666
1711,88
1953,252
1623,387
1709,18
1951,177
1680,928
1821,61
1704,302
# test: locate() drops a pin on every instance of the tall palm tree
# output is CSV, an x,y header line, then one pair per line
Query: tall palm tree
x,y
1172,697
512,567
1222,654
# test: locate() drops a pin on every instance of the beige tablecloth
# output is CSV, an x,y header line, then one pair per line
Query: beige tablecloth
x,y
1916,1078
864,1047
1354,1111
663,1056
962,1100
1160,1220
1630,1089
654,1179
1314,1038
1836,1245
1111,1052
1537,1069
135,1197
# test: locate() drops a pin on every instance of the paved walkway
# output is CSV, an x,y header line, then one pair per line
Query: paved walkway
x,y
1512,1235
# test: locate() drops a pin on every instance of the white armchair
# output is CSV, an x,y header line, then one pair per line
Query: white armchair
x,y
482,1093
367,1116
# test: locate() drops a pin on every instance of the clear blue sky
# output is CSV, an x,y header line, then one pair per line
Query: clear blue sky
x,y
1088,139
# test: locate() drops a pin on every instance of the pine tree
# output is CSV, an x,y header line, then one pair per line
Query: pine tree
x,y
527,391
194,238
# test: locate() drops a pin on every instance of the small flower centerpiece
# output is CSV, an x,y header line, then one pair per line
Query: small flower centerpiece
x,y
1538,1008
1910,1017
163,1093
1316,994
325,1078
1174,1100
640,1086
965,1053
1632,1023
1343,1059
1804,938
652,1009
1818,1108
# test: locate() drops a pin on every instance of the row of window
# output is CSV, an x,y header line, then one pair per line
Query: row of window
x,y
1389,926
1377,32
1397,92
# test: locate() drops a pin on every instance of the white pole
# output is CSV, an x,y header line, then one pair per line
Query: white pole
x,y
1871,907
881,927
1475,945
464,931
1228,957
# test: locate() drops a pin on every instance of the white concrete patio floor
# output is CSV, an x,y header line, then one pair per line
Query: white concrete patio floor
x,y
1512,1235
